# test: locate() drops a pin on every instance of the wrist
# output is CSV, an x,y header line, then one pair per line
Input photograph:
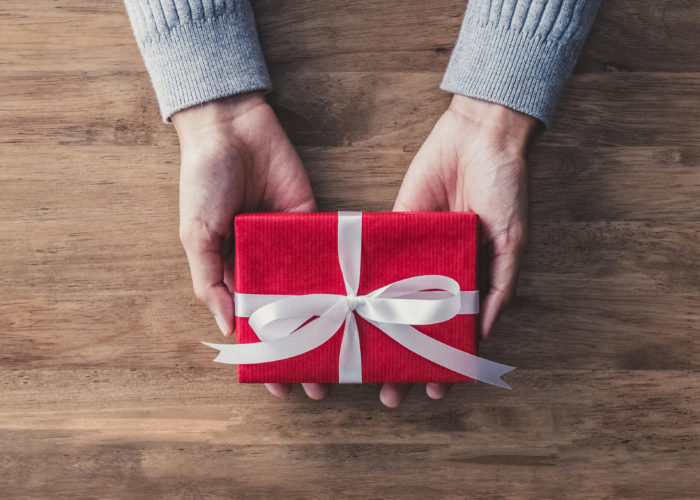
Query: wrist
x,y
512,129
219,112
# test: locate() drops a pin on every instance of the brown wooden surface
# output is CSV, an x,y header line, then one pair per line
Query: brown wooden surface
x,y
105,391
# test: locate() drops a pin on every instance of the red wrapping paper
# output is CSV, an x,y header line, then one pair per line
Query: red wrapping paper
x,y
296,254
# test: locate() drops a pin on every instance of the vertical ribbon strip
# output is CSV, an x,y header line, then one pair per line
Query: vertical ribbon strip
x,y
421,300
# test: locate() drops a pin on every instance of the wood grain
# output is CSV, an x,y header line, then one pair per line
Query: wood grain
x,y
105,391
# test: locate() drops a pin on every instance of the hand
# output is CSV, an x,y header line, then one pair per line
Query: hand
x,y
235,158
474,159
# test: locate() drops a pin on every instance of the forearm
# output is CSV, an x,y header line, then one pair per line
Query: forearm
x,y
196,51
519,53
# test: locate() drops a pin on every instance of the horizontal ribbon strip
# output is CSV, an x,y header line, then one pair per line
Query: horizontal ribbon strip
x,y
247,303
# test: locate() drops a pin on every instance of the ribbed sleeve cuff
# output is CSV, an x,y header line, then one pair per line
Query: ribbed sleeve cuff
x,y
205,59
517,69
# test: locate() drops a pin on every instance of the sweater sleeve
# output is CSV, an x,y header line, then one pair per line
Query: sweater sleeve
x,y
198,50
519,53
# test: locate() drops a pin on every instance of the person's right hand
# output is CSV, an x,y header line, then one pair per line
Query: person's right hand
x,y
235,158
475,159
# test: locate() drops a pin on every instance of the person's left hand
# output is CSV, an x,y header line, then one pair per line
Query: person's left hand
x,y
235,158
474,159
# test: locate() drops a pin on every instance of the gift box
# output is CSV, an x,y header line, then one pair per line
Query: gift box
x,y
357,297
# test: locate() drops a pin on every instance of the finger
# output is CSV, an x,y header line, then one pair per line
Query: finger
x,y
309,205
392,394
420,190
503,275
203,249
316,391
279,390
436,390
288,187
299,198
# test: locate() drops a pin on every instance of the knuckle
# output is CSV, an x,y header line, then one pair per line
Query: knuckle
x,y
505,293
517,242
201,293
195,233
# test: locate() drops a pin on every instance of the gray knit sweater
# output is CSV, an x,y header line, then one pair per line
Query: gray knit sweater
x,y
518,53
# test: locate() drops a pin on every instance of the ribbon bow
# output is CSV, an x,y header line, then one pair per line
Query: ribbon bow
x,y
420,300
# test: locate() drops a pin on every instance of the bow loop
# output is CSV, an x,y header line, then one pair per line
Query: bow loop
x,y
284,316
420,300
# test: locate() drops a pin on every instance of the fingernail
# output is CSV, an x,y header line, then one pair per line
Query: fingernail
x,y
222,325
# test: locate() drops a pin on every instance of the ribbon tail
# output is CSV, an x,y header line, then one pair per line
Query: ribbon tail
x,y
350,359
444,355
307,338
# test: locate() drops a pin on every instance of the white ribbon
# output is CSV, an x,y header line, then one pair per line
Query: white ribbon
x,y
422,300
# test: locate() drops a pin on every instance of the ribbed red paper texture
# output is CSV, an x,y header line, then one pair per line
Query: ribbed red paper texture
x,y
284,253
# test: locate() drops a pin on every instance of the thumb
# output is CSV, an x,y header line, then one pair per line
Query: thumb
x,y
503,271
420,185
203,249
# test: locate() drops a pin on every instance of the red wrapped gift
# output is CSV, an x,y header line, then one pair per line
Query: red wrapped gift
x,y
357,297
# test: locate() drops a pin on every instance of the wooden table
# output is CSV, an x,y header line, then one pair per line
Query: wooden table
x,y
105,390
